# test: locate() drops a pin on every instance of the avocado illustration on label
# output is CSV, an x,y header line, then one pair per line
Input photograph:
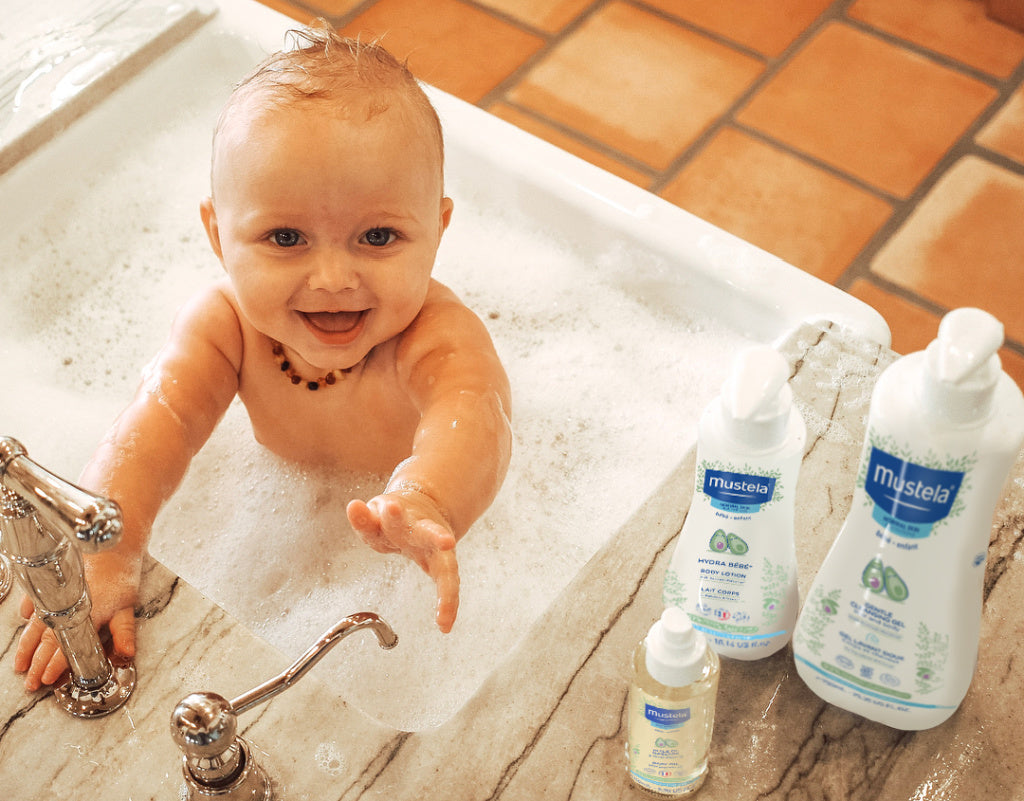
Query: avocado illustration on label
x,y
895,586
873,577
737,545
719,543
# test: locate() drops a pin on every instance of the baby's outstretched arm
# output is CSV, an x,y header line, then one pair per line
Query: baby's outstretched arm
x,y
140,463
460,452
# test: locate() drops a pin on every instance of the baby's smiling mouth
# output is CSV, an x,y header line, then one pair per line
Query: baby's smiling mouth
x,y
340,322
335,328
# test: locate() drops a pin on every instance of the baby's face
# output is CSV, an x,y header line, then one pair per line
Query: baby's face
x,y
327,227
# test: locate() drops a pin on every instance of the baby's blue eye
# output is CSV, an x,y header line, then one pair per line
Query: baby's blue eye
x,y
379,237
286,238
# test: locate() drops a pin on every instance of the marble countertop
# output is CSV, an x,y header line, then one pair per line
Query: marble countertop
x,y
549,723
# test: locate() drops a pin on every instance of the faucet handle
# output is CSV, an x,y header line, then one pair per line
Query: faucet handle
x,y
216,760
90,521
205,725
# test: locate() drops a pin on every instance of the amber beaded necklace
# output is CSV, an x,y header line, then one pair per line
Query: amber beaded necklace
x,y
329,378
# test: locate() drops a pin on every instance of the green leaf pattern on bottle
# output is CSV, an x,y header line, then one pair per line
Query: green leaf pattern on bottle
x,y
774,582
931,654
820,611
674,592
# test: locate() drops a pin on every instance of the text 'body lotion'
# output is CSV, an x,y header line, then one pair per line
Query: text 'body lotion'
x,y
733,570
890,625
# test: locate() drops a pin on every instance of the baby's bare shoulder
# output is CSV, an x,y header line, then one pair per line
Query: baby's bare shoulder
x,y
210,320
443,321
447,340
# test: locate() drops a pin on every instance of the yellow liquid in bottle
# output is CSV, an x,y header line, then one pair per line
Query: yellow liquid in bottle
x,y
669,733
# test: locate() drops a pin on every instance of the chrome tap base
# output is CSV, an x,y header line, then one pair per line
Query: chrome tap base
x,y
251,784
82,702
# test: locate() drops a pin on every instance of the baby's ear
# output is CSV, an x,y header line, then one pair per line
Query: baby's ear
x,y
209,215
446,212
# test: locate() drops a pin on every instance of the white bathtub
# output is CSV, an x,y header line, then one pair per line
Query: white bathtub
x,y
616,315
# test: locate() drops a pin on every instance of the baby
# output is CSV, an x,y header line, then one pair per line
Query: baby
x,y
326,212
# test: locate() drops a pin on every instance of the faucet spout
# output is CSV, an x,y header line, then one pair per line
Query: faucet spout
x,y
42,520
386,638
90,521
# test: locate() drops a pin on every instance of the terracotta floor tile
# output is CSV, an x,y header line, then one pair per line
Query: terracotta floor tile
x,y
453,46
873,110
333,8
547,15
558,138
1013,365
293,11
912,327
956,28
1008,12
962,245
636,82
780,203
767,27
1005,132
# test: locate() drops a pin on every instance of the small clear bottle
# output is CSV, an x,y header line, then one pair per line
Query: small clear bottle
x,y
671,708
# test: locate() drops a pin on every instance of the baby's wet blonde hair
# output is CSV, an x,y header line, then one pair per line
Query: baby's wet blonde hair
x,y
324,66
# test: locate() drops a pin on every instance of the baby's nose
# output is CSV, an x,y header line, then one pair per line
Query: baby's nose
x,y
334,271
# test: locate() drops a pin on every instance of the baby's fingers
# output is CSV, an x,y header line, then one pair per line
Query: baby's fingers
x,y
431,536
52,670
27,644
39,656
122,631
27,608
444,569
367,524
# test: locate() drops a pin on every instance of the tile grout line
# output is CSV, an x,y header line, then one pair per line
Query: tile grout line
x,y
933,56
596,145
499,92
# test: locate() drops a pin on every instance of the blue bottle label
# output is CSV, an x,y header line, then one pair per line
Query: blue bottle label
x,y
666,719
737,492
909,498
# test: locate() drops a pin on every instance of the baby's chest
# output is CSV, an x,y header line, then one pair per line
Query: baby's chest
x,y
355,424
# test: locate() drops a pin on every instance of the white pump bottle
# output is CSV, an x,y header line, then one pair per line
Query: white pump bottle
x,y
734,567
890,626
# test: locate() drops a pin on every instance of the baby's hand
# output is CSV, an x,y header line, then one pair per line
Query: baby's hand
x,y
113,592
409,523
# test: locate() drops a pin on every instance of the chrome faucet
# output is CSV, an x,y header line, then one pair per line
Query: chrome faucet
x,y
217,762
44,524
6,578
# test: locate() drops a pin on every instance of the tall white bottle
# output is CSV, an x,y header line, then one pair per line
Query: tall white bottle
x,y
734,567
890,625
